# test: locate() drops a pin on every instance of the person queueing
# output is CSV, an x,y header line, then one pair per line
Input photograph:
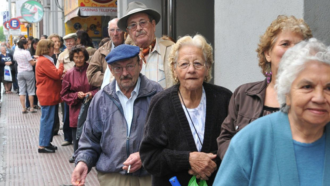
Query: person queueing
x,y
98,65
292,146
32,50
75,88
70,41
6,60
25,76
48,91
253,100
114,126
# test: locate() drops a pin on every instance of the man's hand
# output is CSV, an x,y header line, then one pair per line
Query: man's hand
x,y
81,95
60,60
8,63
202,164
79,174
135,161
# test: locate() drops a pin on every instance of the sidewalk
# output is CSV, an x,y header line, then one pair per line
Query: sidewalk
x,y
20,162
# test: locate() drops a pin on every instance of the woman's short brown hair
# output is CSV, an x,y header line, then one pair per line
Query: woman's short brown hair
x,y
44,46
281,23
76,50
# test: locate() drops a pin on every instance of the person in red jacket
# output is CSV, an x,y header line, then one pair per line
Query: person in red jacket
x,y
75,87
48,91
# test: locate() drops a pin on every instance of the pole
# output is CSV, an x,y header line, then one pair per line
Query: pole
x,y
9,11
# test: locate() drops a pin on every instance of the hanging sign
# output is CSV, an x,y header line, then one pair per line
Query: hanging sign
x,y
32,11
14,23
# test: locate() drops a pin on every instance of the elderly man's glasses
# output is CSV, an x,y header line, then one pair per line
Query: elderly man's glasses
x,y
133,26
119,69
117,30
71,42
185,65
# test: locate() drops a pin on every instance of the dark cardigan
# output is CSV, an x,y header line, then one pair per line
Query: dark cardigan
x,y
168,139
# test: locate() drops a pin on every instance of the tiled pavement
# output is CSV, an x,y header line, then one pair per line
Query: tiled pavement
x,y
20,162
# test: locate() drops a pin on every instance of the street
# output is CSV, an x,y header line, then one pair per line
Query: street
x,y
20,162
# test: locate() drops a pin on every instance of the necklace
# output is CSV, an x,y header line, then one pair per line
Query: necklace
x,y
199,139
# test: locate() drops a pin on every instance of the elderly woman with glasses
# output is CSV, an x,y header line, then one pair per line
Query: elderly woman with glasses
x,y
290,147
75,88
183,121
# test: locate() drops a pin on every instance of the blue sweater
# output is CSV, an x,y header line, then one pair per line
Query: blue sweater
x,y
263,154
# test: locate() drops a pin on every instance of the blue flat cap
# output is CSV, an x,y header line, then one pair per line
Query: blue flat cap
x,y
122,52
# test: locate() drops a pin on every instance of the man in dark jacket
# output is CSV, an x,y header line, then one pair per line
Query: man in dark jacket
x,y
115,121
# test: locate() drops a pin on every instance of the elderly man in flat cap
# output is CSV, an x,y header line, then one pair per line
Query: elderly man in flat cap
x,y
114,126
70,41
140,23
98,65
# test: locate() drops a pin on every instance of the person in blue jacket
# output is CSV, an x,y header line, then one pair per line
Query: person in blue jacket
x,y
290,147
113,130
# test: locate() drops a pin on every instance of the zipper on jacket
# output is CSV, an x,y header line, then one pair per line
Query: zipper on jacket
x,y
122,112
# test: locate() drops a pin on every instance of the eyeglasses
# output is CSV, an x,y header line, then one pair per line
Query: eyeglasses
x,y
133,26
185,65
117,30
128,68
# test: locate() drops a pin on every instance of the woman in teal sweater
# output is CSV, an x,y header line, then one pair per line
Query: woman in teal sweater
x,y
291,147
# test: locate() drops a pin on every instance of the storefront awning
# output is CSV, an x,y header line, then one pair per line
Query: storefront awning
x,y
91,11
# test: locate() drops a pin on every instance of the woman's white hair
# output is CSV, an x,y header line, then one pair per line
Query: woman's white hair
x,y
294,61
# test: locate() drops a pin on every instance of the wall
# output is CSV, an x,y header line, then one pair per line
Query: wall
x,y
238,25
317,15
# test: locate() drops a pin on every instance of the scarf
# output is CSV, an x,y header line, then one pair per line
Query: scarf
x,y
145,51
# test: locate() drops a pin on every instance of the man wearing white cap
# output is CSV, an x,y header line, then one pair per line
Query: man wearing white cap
x,y
140,23
70,41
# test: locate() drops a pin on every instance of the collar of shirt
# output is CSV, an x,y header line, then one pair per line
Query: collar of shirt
x,y
49,58
134,92
112,45
156,48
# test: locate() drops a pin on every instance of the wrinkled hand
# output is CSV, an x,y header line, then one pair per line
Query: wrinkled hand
x,y
202,164
61,61
81,95
79,174
135,161
8,63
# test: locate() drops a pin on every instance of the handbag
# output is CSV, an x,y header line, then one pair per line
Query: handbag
x,y
193,182
82,116
7,72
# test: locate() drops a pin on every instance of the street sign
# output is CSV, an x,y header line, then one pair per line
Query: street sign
x,y
32,11
14,23
5,16
6,25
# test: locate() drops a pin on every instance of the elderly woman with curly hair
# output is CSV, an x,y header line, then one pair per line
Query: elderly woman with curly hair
x,y
290,147
253,100
183,121
48,92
